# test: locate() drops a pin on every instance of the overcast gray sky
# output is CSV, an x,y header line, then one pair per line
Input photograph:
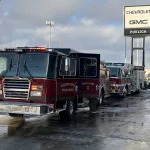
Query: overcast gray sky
x,y
87,25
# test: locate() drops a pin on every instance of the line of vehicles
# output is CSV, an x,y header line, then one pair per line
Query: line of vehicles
x,y
41,81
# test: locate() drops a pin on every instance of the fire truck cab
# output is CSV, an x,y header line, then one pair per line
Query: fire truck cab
x,y
39,81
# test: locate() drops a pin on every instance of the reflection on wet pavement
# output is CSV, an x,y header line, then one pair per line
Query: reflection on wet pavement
x,y
9,125
119,125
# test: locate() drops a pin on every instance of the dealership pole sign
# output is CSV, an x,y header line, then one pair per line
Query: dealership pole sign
x,y
137,20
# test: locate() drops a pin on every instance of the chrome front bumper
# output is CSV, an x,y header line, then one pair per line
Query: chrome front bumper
x,y
25,108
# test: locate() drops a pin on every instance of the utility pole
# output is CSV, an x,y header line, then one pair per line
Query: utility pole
x,y
60,41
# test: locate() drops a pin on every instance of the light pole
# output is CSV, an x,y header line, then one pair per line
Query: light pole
x,y
60,41
50,24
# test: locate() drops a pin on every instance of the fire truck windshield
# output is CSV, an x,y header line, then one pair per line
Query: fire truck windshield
x,y
8,64
114,72
33,65
27,65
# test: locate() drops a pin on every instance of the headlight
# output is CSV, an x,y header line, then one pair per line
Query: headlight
x,y
36,93
0,92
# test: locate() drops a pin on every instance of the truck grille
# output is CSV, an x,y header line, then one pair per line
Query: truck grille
x,y
16,88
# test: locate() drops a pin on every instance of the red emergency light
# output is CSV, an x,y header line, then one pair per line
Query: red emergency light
x,y
32,48
23,49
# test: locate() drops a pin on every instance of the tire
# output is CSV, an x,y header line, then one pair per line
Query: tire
x,y
138,91
76,104
148,85
124,93
93,105
128,90
69,113
16,115
101,99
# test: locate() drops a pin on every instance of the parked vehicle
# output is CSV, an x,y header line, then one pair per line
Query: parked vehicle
x,y
125,78
39,81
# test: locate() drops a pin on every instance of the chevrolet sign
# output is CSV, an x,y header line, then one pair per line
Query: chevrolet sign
x,y
136,20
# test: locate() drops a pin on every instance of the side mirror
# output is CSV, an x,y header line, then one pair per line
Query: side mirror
x,y
66,64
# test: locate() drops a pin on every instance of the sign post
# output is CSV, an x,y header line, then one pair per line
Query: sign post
x,y
137,25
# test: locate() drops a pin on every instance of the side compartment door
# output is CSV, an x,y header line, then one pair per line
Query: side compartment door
x,y
89,72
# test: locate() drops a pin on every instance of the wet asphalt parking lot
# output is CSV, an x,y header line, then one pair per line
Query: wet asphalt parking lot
x,y
121,124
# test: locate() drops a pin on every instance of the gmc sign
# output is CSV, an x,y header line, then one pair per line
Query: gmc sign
x,y
133,22
137,20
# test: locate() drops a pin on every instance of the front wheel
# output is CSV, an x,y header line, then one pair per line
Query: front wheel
x,y
69,113
124,93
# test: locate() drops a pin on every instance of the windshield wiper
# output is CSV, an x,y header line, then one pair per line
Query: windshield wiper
x,y
26,69
8,69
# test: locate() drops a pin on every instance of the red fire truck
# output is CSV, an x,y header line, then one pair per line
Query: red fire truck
x,y
120,76
39,81
125,78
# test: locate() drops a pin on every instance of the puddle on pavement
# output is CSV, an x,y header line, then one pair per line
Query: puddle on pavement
x,y
124,104
9,125
113,114
3,130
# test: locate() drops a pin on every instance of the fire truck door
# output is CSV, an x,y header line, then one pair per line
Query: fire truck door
x,y
67,83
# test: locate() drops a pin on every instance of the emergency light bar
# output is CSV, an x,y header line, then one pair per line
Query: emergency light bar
x,y
108,64
118,64
23,49
33,48
13,50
